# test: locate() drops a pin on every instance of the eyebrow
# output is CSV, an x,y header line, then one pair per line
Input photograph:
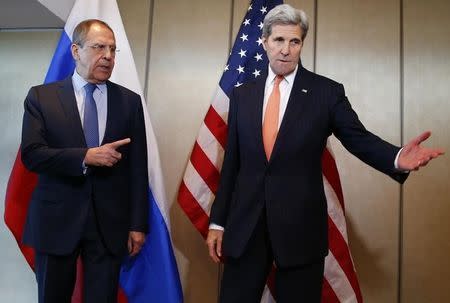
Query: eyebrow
x,y
283,38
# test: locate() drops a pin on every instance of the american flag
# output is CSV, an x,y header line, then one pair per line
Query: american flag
x,y
201,179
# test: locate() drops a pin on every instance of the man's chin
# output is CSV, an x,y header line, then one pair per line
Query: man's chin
x,y
103,77
283,70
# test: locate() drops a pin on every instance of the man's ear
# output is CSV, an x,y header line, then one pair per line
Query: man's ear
x,y
74,49
264,41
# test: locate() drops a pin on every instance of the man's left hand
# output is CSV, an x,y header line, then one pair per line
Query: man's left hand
x,y
136,240
413,156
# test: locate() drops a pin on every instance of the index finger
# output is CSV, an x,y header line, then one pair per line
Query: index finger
x,y
119,143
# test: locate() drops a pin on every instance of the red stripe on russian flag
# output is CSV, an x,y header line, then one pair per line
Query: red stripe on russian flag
x,y
18,196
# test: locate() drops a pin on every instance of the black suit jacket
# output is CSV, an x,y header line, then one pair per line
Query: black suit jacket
x,y
53,146
290,184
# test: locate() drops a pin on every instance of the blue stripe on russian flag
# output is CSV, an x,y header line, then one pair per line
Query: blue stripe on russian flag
x,y
62,64
152,276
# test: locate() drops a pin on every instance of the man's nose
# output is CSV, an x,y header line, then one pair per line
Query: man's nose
x,y
108,54
285,49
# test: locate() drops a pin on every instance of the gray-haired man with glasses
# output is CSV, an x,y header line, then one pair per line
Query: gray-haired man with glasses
x,y
85,138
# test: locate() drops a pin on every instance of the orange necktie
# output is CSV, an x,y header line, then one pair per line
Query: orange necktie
x,y
270,123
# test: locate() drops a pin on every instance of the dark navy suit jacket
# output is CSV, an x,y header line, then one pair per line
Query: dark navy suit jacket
x,y
290,184
54,147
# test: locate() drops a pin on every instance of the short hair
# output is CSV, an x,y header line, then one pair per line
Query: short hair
x,y
81,30
286,15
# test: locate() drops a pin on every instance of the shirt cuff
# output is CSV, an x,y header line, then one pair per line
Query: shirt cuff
x,y
396,162
84,167
216,227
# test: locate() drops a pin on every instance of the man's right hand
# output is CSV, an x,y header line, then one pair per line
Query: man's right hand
x,y
105,155
214,242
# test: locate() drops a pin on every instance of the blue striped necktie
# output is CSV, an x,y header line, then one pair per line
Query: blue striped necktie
x,y
90,121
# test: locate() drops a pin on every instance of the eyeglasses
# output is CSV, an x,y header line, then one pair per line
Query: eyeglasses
x,y
101,48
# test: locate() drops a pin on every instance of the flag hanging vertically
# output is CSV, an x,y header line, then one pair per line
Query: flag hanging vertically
x,y
200,182
152,275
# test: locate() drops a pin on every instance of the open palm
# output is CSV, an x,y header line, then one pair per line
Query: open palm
x,y
413,155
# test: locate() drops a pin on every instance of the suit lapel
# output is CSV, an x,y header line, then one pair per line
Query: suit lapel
x,y
296,103
111,115
69,104
258,96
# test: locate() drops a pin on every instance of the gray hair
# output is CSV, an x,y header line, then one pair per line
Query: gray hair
x,y
81,30
286,15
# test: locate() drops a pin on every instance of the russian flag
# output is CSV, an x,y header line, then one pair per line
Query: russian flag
x,y
152,276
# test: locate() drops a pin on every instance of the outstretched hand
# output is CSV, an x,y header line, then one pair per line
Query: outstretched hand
x,y
105,155
413,155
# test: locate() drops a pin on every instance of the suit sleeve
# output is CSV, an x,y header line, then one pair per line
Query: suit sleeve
x,y
368,147
230,169
139,186
37,155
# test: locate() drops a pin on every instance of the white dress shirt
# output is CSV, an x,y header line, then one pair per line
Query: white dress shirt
x,y
100,98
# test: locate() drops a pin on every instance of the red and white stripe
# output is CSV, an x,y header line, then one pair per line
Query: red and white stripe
x,y
200,182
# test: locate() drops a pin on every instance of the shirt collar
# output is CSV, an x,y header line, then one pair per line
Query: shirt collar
x,y
79,83
289,78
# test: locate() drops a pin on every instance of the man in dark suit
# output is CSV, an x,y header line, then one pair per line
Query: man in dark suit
x,y
270,205
85,138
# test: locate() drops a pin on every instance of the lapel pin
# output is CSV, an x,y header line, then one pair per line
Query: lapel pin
x,y
304,90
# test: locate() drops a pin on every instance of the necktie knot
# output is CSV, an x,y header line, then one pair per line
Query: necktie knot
x,y
278,80
89,88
